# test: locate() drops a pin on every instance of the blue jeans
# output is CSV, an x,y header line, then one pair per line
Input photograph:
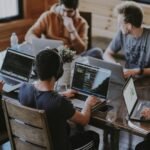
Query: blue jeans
x,y
94,52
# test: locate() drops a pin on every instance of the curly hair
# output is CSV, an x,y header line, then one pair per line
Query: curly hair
x,y
132,13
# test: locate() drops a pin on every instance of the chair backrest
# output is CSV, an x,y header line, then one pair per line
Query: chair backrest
x,y
88,17
27,127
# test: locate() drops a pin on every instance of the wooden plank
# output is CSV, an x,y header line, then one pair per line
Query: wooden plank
x,y
24,145
27,116
28,133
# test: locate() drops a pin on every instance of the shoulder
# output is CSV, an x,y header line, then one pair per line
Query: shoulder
x,y
80,20
25,86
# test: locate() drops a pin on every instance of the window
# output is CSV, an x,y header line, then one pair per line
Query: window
x,y
10,10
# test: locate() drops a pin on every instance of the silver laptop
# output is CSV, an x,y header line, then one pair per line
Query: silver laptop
x,y
39,44
133,104
89,80
117,76
15,70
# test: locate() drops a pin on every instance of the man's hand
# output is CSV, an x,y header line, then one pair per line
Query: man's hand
x,y
1,85
146,113
68,23
69,93
91,101
131,72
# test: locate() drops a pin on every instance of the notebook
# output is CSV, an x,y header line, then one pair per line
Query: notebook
x,y
117,76
15,70
39,44
89,80
133,104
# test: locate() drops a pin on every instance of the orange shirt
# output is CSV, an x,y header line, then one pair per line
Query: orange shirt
x,y
51,25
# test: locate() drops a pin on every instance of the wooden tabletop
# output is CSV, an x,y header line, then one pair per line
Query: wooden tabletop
x,y
117,118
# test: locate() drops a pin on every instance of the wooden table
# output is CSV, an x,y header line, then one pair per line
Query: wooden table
x,y
117,119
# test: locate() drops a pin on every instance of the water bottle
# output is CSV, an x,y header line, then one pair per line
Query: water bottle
x,y
14,41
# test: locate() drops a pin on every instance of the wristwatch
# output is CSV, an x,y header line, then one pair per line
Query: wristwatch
x,y
141,71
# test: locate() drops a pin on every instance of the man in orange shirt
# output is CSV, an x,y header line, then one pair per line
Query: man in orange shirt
x,y
63,22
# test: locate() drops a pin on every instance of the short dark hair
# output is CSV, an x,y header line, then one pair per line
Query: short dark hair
x,y
132,13
70,3
47,64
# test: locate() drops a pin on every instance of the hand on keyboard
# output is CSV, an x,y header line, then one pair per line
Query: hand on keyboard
x,y
91,101
69,93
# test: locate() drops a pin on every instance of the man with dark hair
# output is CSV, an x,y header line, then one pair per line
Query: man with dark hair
x,y
59,110
132,38
62,22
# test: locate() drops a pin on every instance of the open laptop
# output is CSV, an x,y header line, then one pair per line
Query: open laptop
x,y
117,76
133,104
90,80
39,44
15,70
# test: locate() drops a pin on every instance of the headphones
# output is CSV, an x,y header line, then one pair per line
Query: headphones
x,y
60,70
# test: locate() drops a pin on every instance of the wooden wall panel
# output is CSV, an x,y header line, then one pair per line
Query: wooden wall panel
x,y
32,10
103,21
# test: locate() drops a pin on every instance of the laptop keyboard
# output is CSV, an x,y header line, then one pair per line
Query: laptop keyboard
x,y
8,80
81,96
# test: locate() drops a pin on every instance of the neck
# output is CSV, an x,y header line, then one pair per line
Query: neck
x,y
137,32
46,85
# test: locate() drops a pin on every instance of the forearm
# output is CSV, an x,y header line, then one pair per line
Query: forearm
x,y
109,56
86,112
146,71
77,43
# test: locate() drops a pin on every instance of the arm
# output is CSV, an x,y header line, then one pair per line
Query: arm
x,y
83,117
136,71
78,40
109,55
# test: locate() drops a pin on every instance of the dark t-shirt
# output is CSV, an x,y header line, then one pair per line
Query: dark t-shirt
x,y
136,50
57,108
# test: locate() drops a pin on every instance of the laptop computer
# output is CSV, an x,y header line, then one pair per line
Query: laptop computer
x,y
15,70
90,80
133,104
39,44
117,76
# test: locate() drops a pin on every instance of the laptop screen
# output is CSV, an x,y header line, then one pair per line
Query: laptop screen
x,y
130,95
17,64
91,80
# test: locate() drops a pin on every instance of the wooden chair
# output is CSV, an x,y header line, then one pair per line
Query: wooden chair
x,y
88,17
27,127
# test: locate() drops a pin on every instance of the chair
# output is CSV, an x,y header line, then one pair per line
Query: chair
x,y
27,127
88,17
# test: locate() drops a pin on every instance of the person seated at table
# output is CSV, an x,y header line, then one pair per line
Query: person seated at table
x,y
132,38
59,109
63,22
144,145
